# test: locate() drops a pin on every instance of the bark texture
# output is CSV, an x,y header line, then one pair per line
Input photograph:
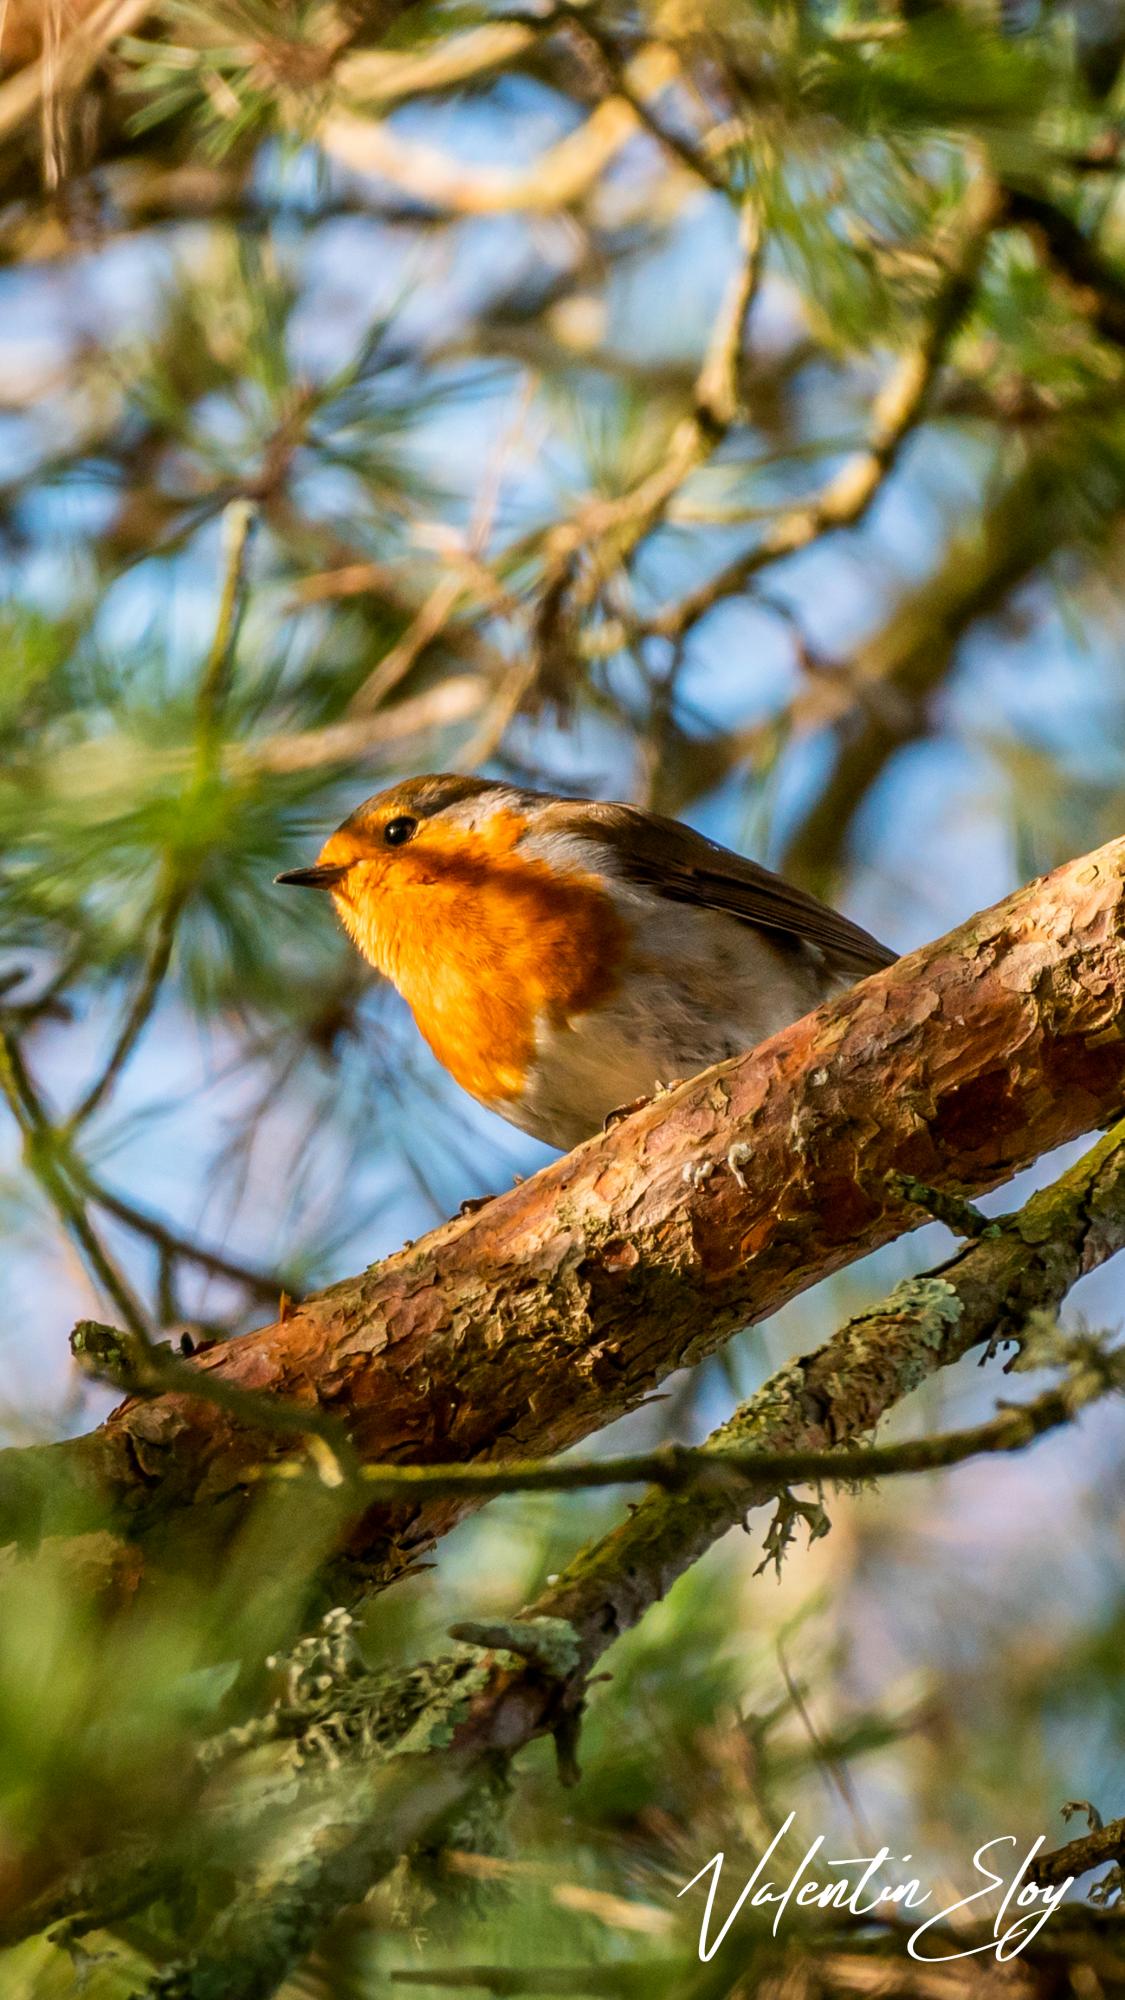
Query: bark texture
x,y
478,1719
525,1327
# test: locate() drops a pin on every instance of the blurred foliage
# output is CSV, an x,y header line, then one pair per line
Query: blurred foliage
x,y
435,291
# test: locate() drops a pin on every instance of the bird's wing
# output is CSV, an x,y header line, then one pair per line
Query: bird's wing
x,y
688,868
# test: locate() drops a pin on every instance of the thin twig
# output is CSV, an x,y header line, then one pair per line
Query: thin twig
x,y
682,150
239,519
428,622
1097,287
606,531
675,1466
963,1217
569,1980
359,737
898,408
167,916
41,1143
386,76
238,522
265,1286
138,1366
1077,1857
470,573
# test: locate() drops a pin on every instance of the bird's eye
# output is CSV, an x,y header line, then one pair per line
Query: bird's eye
x,y
398,831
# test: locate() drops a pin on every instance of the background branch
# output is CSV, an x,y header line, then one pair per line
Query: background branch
x,y
614,1253
490,1713
679,1467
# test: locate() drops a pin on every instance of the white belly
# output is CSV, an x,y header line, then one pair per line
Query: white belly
x,y
702,987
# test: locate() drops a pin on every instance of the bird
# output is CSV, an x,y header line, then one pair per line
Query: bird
x,y
565,957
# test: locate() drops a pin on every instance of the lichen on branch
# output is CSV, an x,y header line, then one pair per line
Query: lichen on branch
x,y
566,1301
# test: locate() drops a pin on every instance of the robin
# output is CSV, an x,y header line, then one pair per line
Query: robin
x,y
562,957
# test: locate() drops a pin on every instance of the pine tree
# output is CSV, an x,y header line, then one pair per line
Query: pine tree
x,y
715,406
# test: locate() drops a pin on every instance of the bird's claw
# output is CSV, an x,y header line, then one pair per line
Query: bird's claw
x,y
613,1118
474,1204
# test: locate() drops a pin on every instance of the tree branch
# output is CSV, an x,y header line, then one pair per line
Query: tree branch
x,y
561,176
838,1393
898,408
676,1467
238,523
1077,1857
566,1300
1096,287
896,673
534,1674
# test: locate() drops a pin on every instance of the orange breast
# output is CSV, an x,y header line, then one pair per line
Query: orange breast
x,y
485,944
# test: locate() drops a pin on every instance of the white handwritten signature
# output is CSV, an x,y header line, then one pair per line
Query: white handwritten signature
x,y
865,1896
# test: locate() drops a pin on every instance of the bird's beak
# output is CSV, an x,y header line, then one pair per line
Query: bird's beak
x,y
325,875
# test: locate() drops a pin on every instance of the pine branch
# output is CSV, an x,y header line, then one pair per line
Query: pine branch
x,y
265,1286
1077,1857
561,177
45,1150
677,1468
836,1394
579,555
895,675
1096,285
533,1675
238,523
703,1212
618,72
898,409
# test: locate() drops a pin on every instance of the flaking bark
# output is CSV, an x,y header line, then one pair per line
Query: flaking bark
x,y
474,1724
463,1722
526,1327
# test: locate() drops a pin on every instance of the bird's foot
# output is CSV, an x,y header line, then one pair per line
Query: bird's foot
x,y
626,1110
474,1204
613,1118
